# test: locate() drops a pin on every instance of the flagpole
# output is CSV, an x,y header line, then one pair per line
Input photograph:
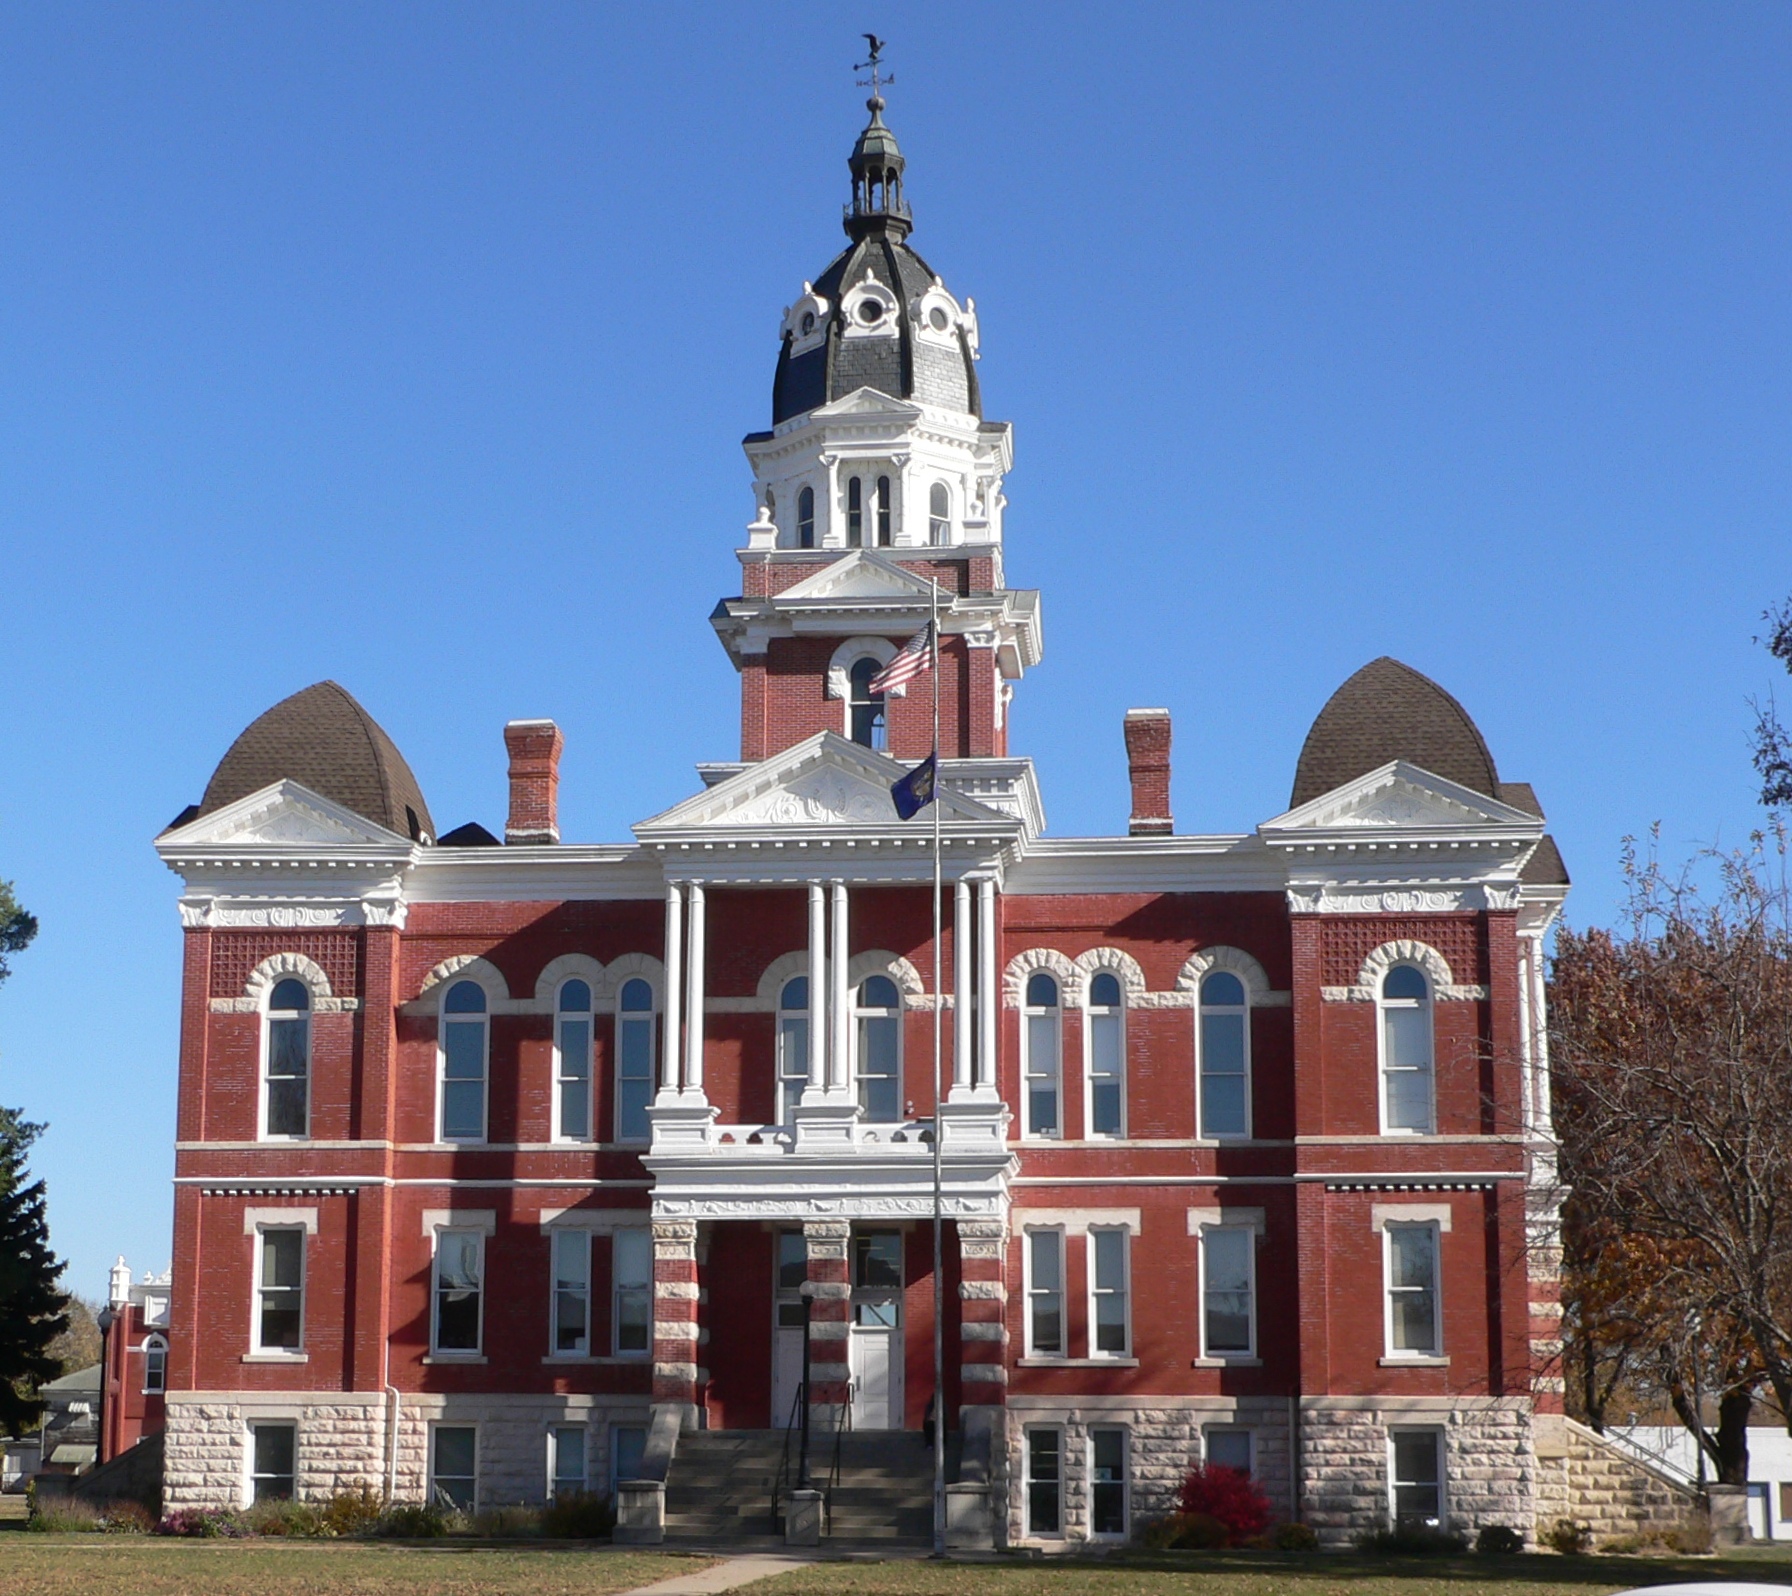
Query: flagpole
x,y
939,1279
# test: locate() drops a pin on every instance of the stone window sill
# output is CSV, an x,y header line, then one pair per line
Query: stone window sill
x,y
276,1357
1077,1363
553,1359
455,1357
1225,1363
1415,1361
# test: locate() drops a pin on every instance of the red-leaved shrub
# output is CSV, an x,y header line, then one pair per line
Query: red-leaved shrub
x,y
1229,1495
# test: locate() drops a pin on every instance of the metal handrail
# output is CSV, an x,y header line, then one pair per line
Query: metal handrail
x,y
843,1412
780,1480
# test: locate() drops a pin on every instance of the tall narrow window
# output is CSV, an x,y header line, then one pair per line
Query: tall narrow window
x,y
1225,1042
454,1466
805,518
1045,1484
1411,1265
883,512
855,512
1107,1482
273,1455
1416,1476
1228,1307
1109,1316
566,1469
867,707
1406,1051
636,1023
1042,1027
463,1063
280,1291
628,1447
572,1062
793,1046
155,1366
939,515
1045,1293
288,1087
572,1292
1107,1057
459,1290
879,1016
631,1287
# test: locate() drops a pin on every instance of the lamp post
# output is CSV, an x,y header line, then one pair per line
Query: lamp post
x,y
807,1292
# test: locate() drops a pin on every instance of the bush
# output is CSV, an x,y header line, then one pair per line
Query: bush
x,y
1228,1495
414,1521
284,1518
355,1512
1185,1532
1413,1540
1295,1538
579,1516
128,1518
203,1523
1691,1537
1567,1537
64,1515
1498,1540
507,1523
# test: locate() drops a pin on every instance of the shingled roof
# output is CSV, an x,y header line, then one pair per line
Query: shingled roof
x,y
323,739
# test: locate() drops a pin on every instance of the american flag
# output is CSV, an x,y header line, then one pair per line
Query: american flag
x,y
915,658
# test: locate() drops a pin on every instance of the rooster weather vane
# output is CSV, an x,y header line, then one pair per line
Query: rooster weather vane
x,y
876,81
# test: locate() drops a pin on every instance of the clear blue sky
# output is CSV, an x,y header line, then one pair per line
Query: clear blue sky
x,y
412,346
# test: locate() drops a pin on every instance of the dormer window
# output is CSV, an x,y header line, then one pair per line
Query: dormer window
x,y
808,323
805,518
939,511
866,707
855,513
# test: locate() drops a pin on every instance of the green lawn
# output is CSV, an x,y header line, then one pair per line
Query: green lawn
x,y
99,1565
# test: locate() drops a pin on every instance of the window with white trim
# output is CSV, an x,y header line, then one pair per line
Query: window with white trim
x,y
464,1050
805,517
1045,1483
1042,1049
286,1061
1410,1264
1106,1032
566,1461
280,1288
793,1046
1110,1328
572,1293
459,1308
631,1291
1416,1476
1407,1052
273,1461
1107,1482
637,1035
1045,1293
886,503
1228,1291
1224,1040
628,1450
939,515
155,1366
866,722
573,1028
877,1018
1229,1448
454,1466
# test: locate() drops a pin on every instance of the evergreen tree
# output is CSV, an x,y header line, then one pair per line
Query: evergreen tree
x,y
17,928
31,1306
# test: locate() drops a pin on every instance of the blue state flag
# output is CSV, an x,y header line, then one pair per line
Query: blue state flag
x,y
915,791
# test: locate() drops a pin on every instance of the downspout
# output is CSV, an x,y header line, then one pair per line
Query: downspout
x,y
391,1423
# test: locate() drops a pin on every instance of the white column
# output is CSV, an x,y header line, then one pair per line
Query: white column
x,y
961,988
670,1035
840,1003
989,996
818,991
693,1008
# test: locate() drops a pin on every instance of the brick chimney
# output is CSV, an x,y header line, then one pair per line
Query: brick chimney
x,y
534,781
1148,764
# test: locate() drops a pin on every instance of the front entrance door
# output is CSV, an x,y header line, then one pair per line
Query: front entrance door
x,y
787,1329
876,1345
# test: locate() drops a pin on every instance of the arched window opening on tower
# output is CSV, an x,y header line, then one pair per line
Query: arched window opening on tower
x,y
879,1015
1042,1032
1107,1056
1224,1043
636,1024
463,1063
939,514
572,1062
855,513
286,1096
883,512
866,707
1406,1052
793,1046
155,1365
805,518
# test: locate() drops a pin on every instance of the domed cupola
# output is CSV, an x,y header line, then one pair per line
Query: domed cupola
x,y
878,316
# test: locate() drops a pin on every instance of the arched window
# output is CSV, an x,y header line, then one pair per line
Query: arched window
x,y
1406,1051
1107,1056
636,1025
572,1062
883,512
865,706
463,1051
286,1096
878,1013
855,513
1225,1062
1042,1030
939,514
805,518
771,504
155,1366
793,1045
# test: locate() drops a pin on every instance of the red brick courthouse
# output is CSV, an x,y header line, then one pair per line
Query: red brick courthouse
x,y
513,1166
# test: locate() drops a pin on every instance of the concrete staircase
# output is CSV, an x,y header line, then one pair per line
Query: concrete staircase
x,y
719,1489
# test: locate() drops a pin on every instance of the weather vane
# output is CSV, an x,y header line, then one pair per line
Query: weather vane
x,y
876,81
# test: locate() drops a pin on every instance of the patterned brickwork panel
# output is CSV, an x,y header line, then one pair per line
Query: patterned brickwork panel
x,y
236,953
1349,939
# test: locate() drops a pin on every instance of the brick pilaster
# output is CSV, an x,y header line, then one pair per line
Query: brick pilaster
x,y
826,1241
983,1312
675,1310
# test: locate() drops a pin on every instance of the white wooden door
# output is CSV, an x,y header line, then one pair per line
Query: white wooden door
x,y
787,1371
876,1354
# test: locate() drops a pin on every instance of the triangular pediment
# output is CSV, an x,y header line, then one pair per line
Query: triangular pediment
x,y
826,781
860,574
868,402
1400,796
283,815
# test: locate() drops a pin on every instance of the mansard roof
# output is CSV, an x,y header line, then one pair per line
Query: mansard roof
x,y
324,740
